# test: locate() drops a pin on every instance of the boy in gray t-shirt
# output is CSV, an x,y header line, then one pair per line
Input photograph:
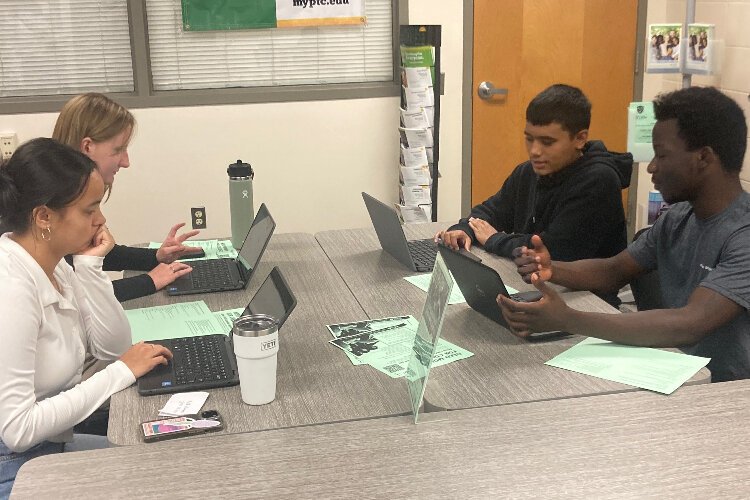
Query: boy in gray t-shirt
x,y
712,253
700,247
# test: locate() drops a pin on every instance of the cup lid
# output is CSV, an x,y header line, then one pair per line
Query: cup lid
x,y
255,325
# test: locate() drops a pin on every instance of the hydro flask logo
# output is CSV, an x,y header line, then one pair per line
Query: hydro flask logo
x,y
268,344
244,193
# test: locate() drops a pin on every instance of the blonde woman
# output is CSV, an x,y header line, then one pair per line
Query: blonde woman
x,y
52,314
101,129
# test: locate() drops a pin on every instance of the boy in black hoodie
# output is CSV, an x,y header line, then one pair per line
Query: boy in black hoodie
x,y
568,192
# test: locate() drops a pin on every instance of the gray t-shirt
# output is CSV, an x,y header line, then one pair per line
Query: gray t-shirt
x,y
713,253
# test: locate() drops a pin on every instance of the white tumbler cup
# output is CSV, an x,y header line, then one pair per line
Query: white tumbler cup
x,y
256,343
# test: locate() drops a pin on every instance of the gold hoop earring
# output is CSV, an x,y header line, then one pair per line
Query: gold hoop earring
x,y
48,236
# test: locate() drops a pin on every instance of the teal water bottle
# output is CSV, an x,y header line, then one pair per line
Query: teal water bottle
x,y
240,200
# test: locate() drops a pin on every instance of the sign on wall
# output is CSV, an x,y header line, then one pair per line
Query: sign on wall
x,y
210,15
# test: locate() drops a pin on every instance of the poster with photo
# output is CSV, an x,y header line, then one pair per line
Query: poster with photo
x,y
700,45
664,48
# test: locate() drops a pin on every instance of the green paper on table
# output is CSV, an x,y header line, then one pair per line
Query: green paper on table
x,y
422,281
386,344
353,328
186,319
226,317
652,369
214,249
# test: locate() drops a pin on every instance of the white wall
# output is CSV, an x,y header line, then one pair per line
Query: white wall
x,y
312,159
731,19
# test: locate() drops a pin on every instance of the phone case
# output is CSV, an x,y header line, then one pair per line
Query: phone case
x,y
174,427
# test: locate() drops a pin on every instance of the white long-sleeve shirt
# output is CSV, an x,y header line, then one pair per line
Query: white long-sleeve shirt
x,y
44,336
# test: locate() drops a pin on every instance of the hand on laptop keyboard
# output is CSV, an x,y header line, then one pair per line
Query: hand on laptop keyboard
x,y
141,358
164,274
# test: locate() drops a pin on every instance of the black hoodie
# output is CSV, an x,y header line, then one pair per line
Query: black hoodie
x,y
577,211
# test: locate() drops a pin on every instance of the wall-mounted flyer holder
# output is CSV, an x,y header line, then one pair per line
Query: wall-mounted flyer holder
x,y
703,54
672,49
663,48
419,47
425,343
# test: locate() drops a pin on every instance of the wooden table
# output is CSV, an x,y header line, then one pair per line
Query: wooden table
x,y
504,368
316,383
692,444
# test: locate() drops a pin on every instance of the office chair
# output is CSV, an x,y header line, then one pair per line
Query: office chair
x,y
646,287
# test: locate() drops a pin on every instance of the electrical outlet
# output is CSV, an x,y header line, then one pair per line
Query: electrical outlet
x,y
8,144
198,217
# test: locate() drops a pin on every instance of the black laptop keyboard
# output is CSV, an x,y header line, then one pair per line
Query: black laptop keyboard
x,y
423,253
199,359
211,274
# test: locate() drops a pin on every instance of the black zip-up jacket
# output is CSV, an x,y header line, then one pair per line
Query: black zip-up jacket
x,y
122,258
577,211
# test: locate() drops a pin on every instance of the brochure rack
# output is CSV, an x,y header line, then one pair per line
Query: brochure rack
x,y
419,128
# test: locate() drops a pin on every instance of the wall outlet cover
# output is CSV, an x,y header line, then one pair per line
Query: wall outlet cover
x,y
198,217
8,144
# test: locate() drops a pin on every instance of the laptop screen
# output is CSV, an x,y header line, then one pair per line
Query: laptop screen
x,y
255,241
388,228
274,297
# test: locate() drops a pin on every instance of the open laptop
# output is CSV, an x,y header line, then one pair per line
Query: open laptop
x,y
480,286
219,275
208,361
417,255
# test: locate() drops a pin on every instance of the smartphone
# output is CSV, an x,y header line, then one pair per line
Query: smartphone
x,y
547,336
194,255
187,425
533,296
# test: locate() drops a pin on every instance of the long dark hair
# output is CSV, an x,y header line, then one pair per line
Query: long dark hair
x,y
40,172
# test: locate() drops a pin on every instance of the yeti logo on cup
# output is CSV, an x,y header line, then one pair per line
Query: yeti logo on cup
x,y
268,344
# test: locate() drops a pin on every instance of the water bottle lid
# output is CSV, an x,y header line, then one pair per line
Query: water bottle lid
x,y
240,169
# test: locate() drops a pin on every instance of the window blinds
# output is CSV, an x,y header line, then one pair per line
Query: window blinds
x,y
64,47
270,57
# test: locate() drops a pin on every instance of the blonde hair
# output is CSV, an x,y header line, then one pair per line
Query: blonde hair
x,y
91,115
95,116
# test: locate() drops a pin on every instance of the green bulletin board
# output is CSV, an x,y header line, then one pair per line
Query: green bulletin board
x,y
207,15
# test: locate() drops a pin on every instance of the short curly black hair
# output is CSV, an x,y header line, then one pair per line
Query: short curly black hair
x,y
707,117
563,104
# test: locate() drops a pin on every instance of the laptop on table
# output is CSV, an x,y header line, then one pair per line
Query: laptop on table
x,y
480,286
219,275
417,255
208,361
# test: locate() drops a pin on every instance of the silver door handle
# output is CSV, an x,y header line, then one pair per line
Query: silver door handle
x,y
486,90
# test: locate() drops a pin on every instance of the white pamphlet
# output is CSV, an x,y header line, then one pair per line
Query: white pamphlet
x,y
414,157
415,176
184,403
417,137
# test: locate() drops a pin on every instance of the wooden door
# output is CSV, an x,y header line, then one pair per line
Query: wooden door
x,y
527,45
